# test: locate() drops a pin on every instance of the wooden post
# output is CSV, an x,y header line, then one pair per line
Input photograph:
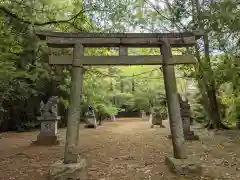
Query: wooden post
x,y
123,51
122,60
73,118
179,147
81,98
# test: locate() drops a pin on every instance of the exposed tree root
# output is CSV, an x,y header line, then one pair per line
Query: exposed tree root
x,y
220,125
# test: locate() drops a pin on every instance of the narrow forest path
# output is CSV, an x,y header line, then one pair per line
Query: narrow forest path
x,y
124,150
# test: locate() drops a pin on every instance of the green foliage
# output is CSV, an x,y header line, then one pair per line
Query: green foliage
x,y
227,76
198,111
26,78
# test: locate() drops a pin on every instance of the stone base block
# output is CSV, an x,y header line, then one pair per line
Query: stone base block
x,y
161,126
190,133
238,124
188,137
169,136
191,137
61,171
90,126
46,140
183,166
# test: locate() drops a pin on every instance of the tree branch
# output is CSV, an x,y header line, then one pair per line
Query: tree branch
x,y
165,17
13,15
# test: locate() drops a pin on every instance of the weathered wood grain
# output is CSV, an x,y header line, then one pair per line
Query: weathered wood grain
x,y
66,40
59,42
44,34
121,60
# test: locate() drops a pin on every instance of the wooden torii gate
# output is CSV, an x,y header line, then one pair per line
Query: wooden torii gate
x,y
78,41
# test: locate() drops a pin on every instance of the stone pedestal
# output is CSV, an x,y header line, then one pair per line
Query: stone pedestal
x,y
238,123
156,119
184,166
61,171
143,115
186,120
150,118
91,121
188,134
113,118
48,132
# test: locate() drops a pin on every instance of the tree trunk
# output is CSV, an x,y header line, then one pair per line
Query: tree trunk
x,y
122,86
214,121
235,84
214,116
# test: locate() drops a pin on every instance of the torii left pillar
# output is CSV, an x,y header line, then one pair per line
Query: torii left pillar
x,y
73,167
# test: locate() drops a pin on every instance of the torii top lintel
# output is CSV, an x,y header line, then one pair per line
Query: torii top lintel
x,y
65,40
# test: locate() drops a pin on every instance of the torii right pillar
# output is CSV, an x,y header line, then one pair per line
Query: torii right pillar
x,y
181,163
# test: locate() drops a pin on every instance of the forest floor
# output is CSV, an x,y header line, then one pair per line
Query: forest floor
x,y
127,149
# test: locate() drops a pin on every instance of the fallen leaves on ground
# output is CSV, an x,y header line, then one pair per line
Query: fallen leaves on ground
x,y
123,150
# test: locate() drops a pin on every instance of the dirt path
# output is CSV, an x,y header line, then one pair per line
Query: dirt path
x,y
124,150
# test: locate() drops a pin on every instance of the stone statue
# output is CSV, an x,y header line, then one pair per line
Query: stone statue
x,y
185,111
156,117
50,108
49,122
143,114
90,118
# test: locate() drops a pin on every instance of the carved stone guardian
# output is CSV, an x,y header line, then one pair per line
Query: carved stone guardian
x,y
156,117
143,115
186,120
49,120
90,118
